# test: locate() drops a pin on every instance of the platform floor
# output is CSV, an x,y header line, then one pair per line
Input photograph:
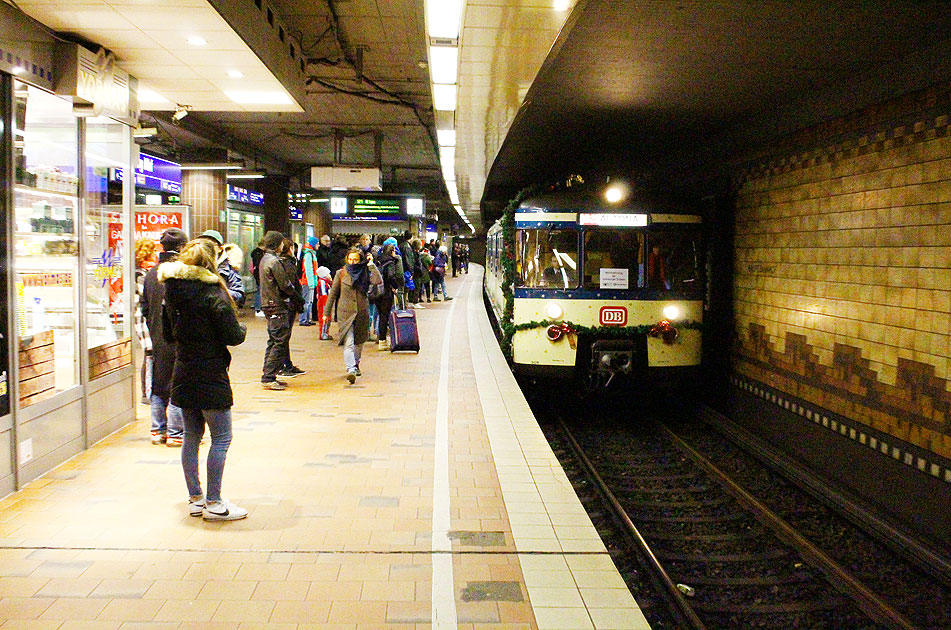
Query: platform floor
x,y
423,496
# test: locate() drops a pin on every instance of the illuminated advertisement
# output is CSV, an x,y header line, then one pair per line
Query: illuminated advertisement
x,y
154,173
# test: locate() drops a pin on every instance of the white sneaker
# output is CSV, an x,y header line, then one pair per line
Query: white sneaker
x,y
223,511
418,306
196,506
259,314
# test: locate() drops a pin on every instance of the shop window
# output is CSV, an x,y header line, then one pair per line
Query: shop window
x,y
245,229
46,260
107,328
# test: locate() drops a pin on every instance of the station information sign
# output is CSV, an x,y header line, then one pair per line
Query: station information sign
x,y
379,207
243,195
154,173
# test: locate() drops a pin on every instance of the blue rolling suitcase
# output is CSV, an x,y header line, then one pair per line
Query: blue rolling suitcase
x,y
404,335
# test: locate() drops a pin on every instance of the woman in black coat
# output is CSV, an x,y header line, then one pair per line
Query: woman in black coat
x,y
201,320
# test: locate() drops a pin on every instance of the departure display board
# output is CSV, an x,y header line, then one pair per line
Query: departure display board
x,y
377,206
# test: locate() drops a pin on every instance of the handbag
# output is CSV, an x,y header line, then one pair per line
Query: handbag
x,y
408,280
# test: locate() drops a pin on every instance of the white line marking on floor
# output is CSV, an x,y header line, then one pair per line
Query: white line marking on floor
x,y
444,599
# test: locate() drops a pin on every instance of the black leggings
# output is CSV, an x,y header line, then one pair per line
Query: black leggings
x,y
385,305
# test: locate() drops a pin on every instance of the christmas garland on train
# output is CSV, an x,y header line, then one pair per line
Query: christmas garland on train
x,y
610,351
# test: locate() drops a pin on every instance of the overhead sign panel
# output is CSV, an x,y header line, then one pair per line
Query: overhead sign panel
x,y
243,195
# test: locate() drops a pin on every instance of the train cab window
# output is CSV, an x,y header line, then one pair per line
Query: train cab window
x,y
613,259
673,262
547,258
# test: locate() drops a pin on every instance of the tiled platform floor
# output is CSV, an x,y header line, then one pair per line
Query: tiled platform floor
x,y
423,496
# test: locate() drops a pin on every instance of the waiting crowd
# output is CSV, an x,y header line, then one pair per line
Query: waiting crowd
x,y
189,293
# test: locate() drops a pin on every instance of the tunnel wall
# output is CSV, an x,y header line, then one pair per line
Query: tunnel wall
x,y
842,281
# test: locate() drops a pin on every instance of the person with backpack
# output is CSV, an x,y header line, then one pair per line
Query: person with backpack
x,y
439,273
307,272
391,270
349,295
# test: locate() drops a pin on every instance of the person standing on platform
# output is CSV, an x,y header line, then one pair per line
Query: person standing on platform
x,y
201,319
426,263
277,291
349,295
231,277
440,260
391,270
308,280
338,252
294,306
256,254
167,424
455,259
324,282
324,253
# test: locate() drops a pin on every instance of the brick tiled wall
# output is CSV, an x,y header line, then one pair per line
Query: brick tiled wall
x,y
843,279
207,193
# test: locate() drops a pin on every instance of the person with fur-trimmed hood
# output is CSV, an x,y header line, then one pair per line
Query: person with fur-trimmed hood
x,y
201,319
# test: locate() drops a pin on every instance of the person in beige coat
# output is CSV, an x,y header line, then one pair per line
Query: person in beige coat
x,y
349,295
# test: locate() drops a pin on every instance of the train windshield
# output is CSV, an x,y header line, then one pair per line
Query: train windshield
x,y
547,258
613,259
673,261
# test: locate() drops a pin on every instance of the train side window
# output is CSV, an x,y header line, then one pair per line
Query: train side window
x,y
613,259
674,259
547,258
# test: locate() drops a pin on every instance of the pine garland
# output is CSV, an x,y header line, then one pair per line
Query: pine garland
x,y
507,256
606,332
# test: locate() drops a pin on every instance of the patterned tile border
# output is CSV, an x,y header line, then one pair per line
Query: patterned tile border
x,y
846,428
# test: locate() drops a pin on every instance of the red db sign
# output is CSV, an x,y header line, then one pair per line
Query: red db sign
x,y
613,316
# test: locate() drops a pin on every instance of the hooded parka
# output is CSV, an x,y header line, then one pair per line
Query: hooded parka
x,y
201,321
353,308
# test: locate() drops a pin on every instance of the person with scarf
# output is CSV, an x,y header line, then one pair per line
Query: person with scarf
x,y
349,295
391,270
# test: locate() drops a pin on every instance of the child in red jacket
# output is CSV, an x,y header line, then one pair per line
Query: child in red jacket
x,y
324,282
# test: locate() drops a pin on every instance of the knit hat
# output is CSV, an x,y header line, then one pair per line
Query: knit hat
x,y
323,272
214,235
173,239
272,240
389,241
312,241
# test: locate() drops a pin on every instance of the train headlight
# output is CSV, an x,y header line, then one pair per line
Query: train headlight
x,y
554,311
671,312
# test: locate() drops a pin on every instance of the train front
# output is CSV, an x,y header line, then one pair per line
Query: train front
x,y
607,296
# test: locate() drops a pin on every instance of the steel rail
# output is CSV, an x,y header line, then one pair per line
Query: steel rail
x,y
683,612
892,537
870,603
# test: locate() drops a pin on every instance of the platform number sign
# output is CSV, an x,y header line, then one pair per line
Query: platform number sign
x,y
613,316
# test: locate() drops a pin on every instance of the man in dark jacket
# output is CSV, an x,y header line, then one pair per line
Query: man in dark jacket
x,y
338,252
167,424
324,253
278,293
231,277
256,254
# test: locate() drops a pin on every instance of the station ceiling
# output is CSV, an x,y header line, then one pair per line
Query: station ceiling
x,y
546,87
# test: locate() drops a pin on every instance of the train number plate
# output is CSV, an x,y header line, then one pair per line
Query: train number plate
x,y
613,316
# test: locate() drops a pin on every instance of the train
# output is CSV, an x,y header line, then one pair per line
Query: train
x,y
608,293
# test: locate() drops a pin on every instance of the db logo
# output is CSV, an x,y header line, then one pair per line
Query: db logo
x,y
613,316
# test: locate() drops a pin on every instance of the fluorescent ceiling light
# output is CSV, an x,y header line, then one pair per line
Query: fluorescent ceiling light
x,y
195,40
235,74
247,175
453,193
562,5
18,70
144,132
213,166
446,137
146,95
447,158
444,17
443,63
444,97
246,97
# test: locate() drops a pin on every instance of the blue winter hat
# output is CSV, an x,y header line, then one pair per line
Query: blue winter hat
x,y
312,241
389,241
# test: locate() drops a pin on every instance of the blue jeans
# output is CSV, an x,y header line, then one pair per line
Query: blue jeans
x,y
374,320
438,282
257,298
351,351
308,294
166,417
219,425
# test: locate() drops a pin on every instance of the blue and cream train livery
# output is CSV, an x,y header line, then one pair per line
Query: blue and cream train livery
x,y
604,292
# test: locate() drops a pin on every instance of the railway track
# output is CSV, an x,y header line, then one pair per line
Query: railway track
x,y
711,555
